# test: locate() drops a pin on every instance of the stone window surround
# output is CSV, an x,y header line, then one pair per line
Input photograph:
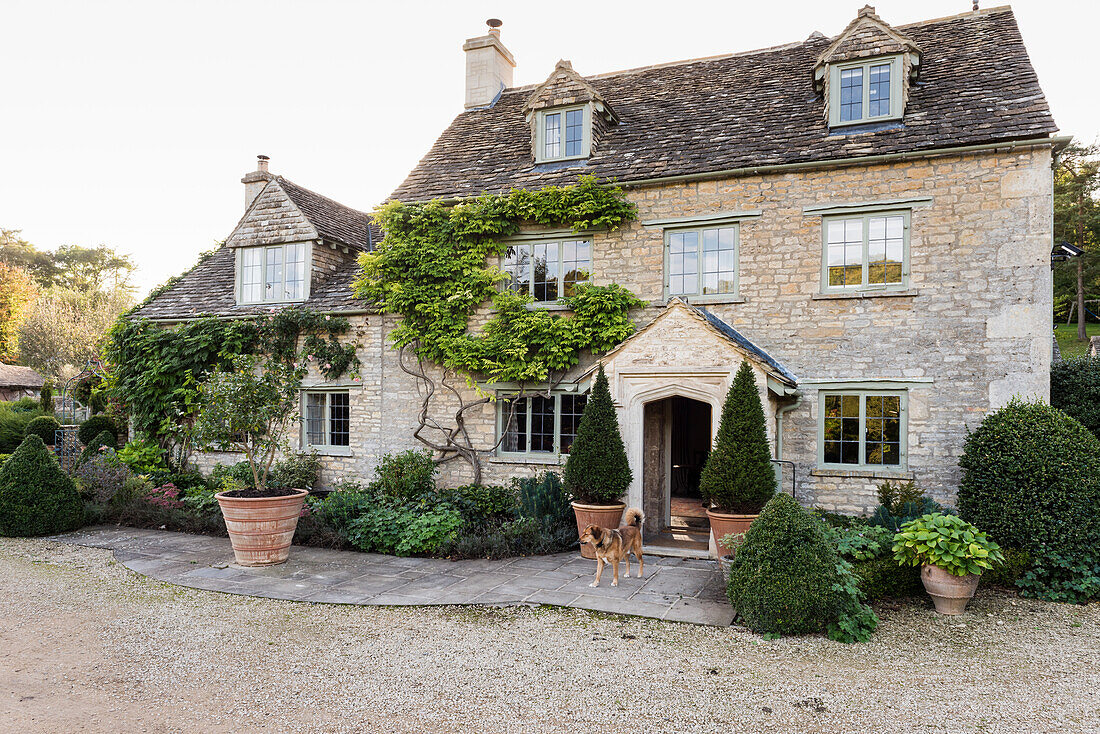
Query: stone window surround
x,y
325,449
529,456
540,133
896,102
238,273
863,389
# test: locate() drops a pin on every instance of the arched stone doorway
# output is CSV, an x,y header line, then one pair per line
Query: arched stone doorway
x,y
677,436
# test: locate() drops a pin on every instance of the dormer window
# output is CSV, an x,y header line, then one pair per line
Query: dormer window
x,y
865,91
272,274
563,134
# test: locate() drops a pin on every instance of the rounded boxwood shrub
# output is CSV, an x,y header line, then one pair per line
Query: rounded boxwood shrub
x,y
45,427
94,426
36,496
597,471
1075,389
783,579
1031,480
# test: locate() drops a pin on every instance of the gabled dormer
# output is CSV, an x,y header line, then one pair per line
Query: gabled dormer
x,y
865,74
567,115
291,240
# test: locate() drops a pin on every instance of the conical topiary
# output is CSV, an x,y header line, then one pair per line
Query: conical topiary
x,y
738,476
36,497
597,471
782,578
105,439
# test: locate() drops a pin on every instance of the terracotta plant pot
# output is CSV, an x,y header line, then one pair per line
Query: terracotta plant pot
x,y
261,528
949,593
722,525
606,516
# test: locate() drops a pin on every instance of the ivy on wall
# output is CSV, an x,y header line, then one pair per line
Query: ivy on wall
x,y
155,371
435,268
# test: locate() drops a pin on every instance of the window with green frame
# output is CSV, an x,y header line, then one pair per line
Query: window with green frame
x,y
865,251
548,270
702,261
539,424
863,429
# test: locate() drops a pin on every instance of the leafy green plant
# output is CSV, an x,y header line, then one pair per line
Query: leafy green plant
x,y
882,577
15,416
296,471
45,399
1054,576
738,476
785,578
481,503
947,542
404,531
36,496
855,621
860,542
1031,479
1075,389
346,503
142,456
543,498
902,502
249,410
597,471
45,427
101,475
94,426
405,476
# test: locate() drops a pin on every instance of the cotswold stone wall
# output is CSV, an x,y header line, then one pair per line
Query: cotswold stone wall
x,y
971,331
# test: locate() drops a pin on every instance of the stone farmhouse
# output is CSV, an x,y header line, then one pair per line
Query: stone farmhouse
x,y
865,218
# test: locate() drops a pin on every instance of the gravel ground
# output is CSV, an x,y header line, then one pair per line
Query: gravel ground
x,y
86,645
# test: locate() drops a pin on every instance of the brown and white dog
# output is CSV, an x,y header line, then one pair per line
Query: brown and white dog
x,y
616,545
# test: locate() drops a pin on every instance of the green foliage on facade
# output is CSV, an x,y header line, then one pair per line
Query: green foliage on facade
x,y
597,471
155,371
738,476
1031,480
36,496
434,268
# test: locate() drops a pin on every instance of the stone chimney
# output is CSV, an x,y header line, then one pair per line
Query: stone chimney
x,y
255,181
489,67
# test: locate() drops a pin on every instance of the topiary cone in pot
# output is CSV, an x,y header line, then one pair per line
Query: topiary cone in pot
x,y
597,472
737,478
248,409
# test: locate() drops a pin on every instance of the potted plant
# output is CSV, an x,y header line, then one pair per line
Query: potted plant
x,y
597,472
952,555
737,478
248,409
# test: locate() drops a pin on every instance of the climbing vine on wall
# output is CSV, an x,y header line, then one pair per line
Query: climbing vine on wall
x,y
155,370
437,266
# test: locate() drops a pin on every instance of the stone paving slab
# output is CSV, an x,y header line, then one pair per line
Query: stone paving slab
x,y
673,589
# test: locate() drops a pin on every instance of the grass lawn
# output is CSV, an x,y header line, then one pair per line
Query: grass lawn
x,y
1067,339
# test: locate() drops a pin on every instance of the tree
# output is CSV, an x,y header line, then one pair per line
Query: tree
x,y
1077,221
18,291
65,327
737,476
93,269
17,252
597,471
248,409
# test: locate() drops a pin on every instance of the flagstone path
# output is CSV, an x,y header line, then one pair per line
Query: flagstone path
x,y
673,589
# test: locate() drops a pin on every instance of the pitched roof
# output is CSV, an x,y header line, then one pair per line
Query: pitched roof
x,y
976,86
12,375
727,332
333,220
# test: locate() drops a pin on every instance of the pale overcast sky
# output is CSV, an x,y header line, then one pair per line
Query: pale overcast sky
x,y
131,123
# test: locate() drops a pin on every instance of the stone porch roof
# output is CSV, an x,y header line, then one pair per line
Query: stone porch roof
x,y
759,108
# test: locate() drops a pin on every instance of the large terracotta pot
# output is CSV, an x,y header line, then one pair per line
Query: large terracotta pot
x,y
949,593
261,528
606,516
722,525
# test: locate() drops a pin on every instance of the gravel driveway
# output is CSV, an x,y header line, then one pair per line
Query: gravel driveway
x,y
86,645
